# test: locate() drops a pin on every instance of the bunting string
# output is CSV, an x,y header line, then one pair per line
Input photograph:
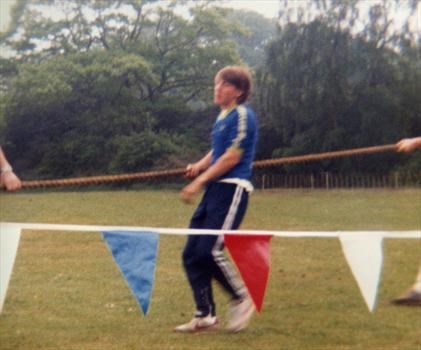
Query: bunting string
x,y
134,250
184,231
148,175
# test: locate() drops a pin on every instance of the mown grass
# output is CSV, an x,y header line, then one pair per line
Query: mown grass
x,y
66,292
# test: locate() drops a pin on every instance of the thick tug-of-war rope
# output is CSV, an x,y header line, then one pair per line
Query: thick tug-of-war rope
x,y
96,180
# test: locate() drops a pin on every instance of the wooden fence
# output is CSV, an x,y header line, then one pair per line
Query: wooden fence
x,y
332,180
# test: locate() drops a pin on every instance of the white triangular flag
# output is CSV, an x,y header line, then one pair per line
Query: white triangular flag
x,y
365,258
9,241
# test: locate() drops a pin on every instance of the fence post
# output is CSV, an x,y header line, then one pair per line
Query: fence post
x,y
396,179
327,180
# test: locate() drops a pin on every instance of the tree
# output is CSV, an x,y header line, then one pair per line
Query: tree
x,y
327,86
257,32
101,85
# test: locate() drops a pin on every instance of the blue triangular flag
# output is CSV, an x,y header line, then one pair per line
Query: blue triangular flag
x,y
135,255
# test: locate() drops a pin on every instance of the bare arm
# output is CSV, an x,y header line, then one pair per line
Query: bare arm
x,y
194,169
225,163
8,178
409,145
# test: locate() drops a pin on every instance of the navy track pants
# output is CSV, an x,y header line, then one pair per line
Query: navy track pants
x,y
223,206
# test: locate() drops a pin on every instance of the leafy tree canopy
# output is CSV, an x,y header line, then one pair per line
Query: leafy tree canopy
x,y
103,74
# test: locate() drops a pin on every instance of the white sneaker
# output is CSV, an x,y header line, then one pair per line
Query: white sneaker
x,y
240,314
199,324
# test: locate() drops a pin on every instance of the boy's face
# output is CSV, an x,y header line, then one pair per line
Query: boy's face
x,y
225,94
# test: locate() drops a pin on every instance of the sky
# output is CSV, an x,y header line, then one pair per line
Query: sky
x,y
268,8
5,6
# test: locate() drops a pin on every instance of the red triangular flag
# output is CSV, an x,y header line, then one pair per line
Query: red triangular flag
x,y
251,255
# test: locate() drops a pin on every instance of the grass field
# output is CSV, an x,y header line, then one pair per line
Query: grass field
x,y
66,293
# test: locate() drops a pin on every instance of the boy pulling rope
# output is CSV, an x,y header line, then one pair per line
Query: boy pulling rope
x,y
141,176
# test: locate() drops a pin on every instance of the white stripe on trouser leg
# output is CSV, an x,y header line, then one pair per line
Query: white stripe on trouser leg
x,y
218,255
232,212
